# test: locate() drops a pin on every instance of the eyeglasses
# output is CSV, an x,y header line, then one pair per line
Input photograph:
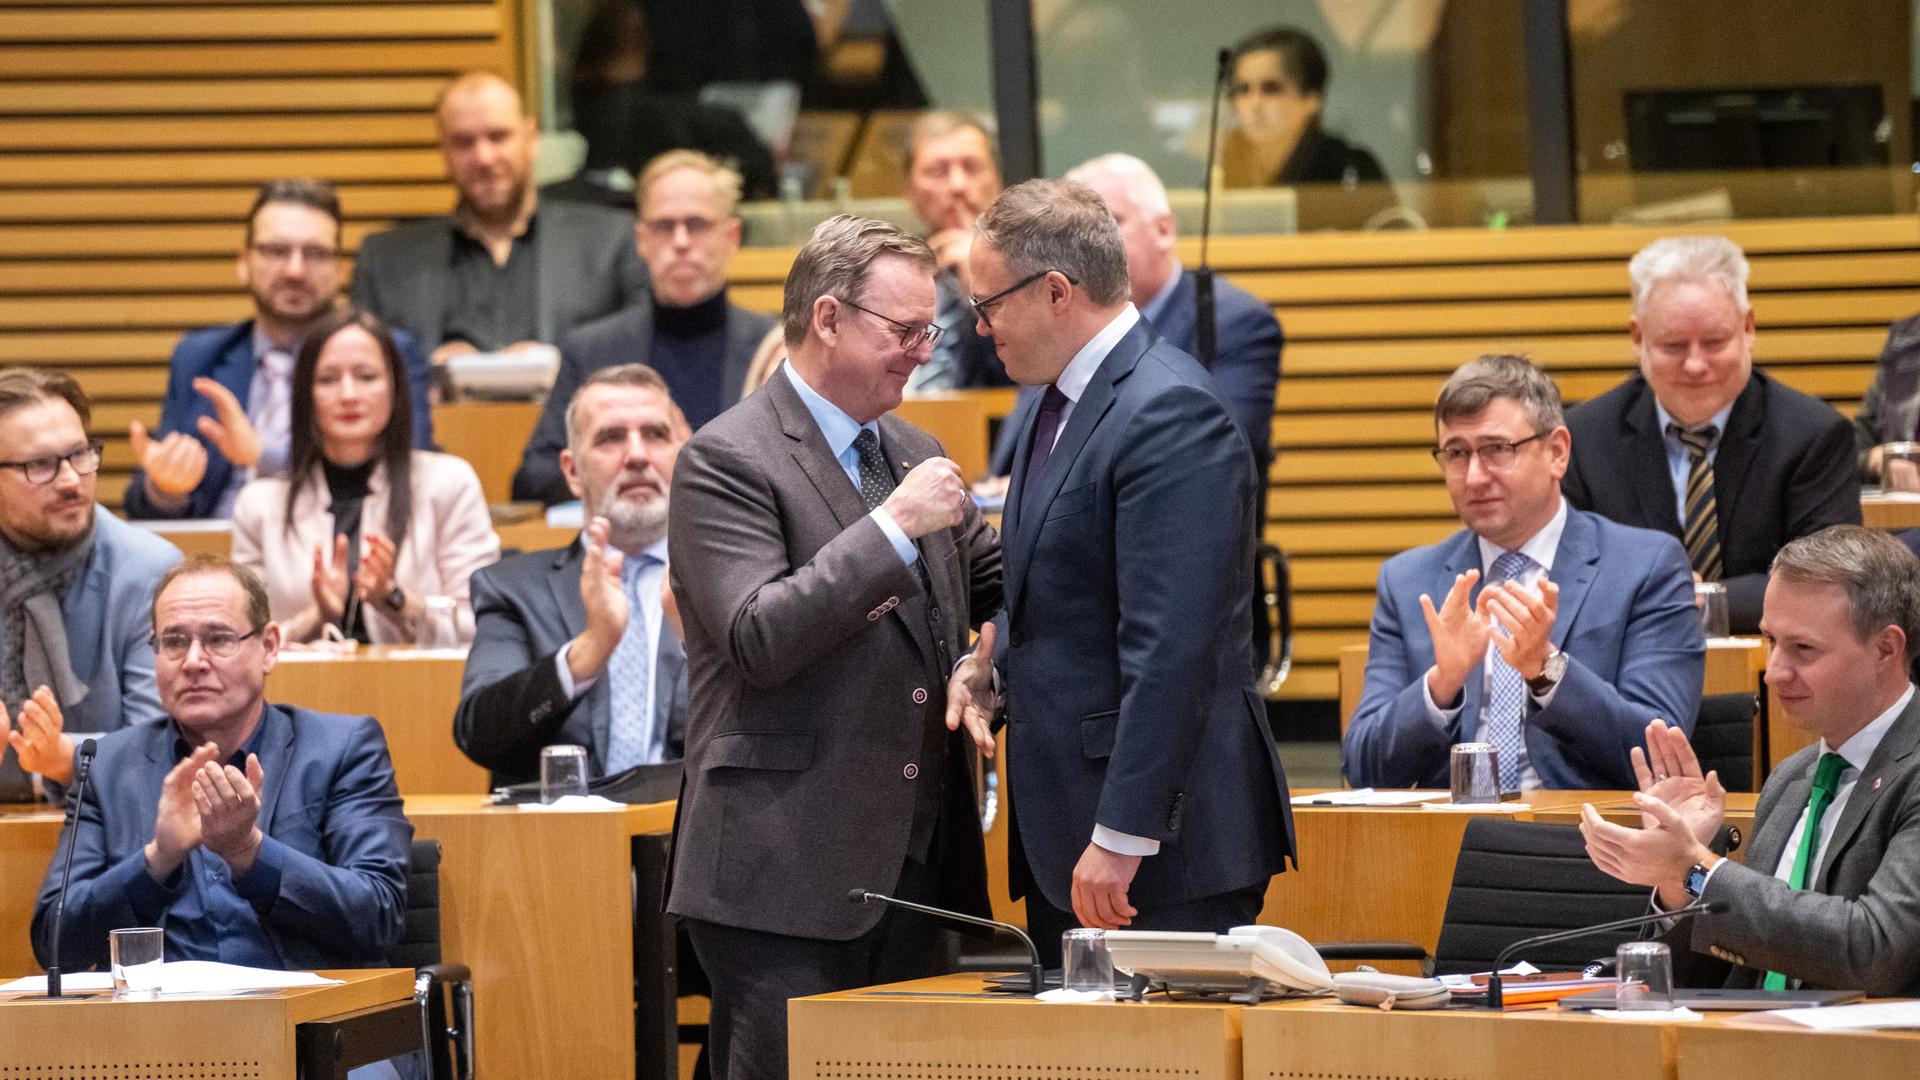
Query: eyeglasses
x,y
911,337
664,228
219,644
1494,456
310,253
981,308
42,470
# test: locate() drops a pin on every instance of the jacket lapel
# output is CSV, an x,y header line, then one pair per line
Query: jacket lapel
x,y
1643,446
1899,744
809,449
1734,459
274,747
1770,835
936,548
1575,564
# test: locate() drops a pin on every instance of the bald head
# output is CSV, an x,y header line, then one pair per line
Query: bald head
x,y
1138,201
487,142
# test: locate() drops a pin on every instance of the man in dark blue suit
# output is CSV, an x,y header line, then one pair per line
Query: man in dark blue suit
x,y
1146,791
226,415
256,834
1584,633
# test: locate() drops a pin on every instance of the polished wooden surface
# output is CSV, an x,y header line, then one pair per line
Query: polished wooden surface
x,y
1879,511
961,420
491,435
248,1035
28,835
412,693
1755,1047
895,1031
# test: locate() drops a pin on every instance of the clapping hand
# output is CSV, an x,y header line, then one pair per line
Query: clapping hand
x,y
1459,638
329,582
37,737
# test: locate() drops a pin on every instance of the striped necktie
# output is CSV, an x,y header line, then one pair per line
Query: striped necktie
x,y
1700,529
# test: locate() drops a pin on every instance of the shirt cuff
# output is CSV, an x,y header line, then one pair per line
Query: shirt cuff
x,y
1125,843
1442,718
902,546
567,686
260,885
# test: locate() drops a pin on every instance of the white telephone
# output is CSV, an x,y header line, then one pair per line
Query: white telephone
x,y
1254,962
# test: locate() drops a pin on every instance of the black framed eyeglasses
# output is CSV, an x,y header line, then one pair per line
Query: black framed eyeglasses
x,y
42,470
911,336
219,644
982,308
1494,456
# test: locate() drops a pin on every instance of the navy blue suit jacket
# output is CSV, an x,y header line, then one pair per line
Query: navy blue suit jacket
x,y
1130,701
225,355
1626,622
334,831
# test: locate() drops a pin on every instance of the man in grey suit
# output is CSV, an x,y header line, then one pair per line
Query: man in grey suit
x,y
502,271
75,582
699,341
548,625
828,563
1829,893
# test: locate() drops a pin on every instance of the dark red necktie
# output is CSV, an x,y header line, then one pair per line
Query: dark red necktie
x,y
1045,426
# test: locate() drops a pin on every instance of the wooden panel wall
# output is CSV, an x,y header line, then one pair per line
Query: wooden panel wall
x,y
1374,323
134,132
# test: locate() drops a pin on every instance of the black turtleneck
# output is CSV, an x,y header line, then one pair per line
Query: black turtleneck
x,y
690,352
347,485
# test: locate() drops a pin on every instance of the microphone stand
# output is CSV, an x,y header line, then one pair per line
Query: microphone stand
x,y
83,765
1203,328
1494,998
1037,972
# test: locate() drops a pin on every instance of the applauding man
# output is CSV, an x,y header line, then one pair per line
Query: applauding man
x,y
1583,633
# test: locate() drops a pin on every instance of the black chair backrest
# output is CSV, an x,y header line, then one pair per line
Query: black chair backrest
x,y
1515,879
1723,738
420,940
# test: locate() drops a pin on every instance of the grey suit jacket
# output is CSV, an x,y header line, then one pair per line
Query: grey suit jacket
x,y
511,702
589,267
1858,926
815,674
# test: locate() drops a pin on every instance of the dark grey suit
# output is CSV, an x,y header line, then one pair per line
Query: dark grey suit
x,y
625,337
1858,926
817,739
511,703
588,265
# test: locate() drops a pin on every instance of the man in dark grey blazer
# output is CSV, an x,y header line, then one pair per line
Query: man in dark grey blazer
x,y
502,271
1828,895
689,331
580,644
828,563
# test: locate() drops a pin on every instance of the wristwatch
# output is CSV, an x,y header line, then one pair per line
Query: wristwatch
x,y
395,600
1550,673
1696,881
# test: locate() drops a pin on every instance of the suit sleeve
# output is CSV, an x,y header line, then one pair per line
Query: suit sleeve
x,y
980,546
365,286
511,701
1183,486
539,479
1247,372
100,898
1391,740
1662,662
1823,489
178,411
631,271
139,693
731,571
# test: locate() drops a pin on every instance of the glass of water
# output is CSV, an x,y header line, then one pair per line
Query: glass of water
x,y
563,772
1644,970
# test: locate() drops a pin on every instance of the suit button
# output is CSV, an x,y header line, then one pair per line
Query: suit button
x,y
1019,639
910,771
919,695
934,614
874,615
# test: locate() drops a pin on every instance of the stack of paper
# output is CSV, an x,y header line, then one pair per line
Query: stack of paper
x,y
1367,796
1875,1017
183,977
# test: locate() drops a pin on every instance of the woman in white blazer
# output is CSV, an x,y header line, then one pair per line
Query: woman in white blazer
x,y
364,529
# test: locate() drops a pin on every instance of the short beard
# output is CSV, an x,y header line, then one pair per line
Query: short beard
x,y
633,526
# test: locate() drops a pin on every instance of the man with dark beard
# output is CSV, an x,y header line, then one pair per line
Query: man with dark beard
x,y
582,644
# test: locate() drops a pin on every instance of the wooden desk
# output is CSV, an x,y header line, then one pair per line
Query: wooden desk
x,y
491,435
413,695
212,537
969,1035
1765,1048
1879,511
28,835
1617,807
182,1039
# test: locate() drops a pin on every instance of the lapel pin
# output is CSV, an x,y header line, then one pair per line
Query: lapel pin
x,y
1876,783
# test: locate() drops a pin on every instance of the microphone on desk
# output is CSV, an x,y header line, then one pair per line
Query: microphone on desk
x,y
82,766
1038,972
1704,907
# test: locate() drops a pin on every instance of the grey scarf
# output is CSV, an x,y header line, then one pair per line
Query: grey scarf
x,y
33,638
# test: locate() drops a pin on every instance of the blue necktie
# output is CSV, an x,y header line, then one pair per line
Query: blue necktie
x,y
630,736
1507,697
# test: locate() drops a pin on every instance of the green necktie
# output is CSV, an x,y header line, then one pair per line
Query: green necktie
x,y
1826,780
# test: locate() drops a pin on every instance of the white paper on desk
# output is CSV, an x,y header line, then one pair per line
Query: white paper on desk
x,y
445,652
1367,797
1880,1015
575,804
567,515
1465,981
1892,497
73,981
1062,994
211,977
1681,1015
1478,808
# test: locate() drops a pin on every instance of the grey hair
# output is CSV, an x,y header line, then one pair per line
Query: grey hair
x,y
1474,385
1881,576
1689,258
835,262
634,375
1144,188
1058,225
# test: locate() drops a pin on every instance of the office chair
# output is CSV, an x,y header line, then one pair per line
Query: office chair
x,y
443,991
1723,738
1273,618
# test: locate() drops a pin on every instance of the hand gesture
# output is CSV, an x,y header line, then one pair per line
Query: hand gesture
x,y
970,696
229,806
951,248
1100,882
603,593
932,497
174,465
1459,638
43,747
228,429
1669,771
1658,855
1526,615
375,579
329,583
176,825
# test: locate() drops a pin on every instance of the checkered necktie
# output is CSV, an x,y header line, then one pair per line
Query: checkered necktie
x,y
1700,531
1507,696
630,727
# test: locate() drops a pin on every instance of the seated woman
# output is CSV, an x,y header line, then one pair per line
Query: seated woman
x,y
364,529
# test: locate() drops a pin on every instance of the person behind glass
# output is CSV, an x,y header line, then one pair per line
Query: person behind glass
x,y
365,528
224,418
74,586
952,174
1890,411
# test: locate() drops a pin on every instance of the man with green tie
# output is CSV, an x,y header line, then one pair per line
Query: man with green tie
x,y
1828,896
